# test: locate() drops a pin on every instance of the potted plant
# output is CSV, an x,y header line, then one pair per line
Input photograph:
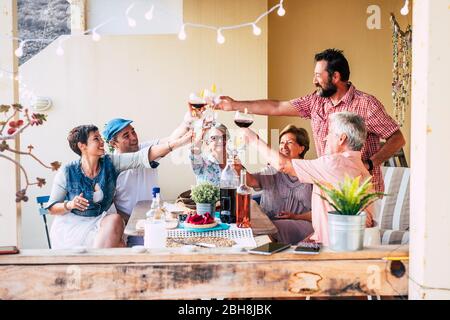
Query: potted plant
x,y
205,196
346,225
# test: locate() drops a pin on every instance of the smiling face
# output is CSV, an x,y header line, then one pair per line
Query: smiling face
x,y
95,145
216,141
289,146
325,84
126,140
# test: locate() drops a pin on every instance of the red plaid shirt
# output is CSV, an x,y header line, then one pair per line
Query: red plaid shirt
x,y
379,124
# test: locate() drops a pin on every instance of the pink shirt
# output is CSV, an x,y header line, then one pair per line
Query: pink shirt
x,y
328,169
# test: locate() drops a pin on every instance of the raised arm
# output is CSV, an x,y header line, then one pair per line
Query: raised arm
x,y
251,181
179,131
261,107
168,145
274,158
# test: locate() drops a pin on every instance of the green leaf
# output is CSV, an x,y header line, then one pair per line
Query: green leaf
x,y
205,193
351,197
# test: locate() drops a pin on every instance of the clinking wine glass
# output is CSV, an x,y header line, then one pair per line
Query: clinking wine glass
x,y
242,120
203,108
209,115
197,106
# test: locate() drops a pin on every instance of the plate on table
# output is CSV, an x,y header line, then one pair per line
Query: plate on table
x,y
205,228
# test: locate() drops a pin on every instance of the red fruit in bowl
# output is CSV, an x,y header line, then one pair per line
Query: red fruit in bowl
x,y
198,219
11,131
12,124
19,123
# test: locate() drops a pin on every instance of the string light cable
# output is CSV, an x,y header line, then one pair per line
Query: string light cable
x,y
19,52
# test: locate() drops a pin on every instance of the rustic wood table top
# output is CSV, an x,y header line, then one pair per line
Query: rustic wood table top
x,y
209,273
261,224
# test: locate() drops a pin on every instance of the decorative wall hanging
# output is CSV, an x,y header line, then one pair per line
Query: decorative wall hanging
x,y
401,71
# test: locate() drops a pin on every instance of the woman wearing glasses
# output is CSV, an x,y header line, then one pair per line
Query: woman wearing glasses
x,y
208,165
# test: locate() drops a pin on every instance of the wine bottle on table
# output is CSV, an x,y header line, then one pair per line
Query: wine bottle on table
x,y
229,182
243,199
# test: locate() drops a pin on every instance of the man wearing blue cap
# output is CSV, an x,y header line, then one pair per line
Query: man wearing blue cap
x,y
135,185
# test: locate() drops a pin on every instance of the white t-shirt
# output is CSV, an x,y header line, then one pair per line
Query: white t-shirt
x,y
135,185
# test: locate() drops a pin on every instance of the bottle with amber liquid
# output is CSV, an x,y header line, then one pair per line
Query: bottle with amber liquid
x,y
243,199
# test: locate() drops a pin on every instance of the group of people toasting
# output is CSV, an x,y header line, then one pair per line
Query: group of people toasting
x,y
347,126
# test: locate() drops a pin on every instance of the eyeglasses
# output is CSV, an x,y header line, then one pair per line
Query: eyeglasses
x,y
216,139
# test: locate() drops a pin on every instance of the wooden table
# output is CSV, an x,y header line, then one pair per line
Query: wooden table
x,y
209,273
261,224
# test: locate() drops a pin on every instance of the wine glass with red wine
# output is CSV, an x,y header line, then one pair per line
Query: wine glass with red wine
x,y
243,119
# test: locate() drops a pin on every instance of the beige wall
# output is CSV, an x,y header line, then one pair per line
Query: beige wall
x,y
145,78
312,26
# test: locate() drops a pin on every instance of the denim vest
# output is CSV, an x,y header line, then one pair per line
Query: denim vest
x,y
78,183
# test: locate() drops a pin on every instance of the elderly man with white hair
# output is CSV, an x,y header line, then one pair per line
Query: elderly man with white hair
x,y
346,138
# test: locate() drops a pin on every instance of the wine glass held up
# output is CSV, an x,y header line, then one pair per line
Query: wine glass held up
x,y
243,119
197,105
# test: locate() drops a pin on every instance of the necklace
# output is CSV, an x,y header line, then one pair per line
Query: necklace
x,y
94,175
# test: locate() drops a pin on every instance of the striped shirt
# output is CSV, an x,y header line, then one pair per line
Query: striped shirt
x,y
379,123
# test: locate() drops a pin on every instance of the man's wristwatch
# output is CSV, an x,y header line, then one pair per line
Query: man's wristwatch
x,y
370,163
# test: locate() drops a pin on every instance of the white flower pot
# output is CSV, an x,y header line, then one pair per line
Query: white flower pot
x,y
203,208
346,233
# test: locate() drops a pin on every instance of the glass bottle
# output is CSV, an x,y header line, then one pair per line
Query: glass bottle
x,y
155,227
243,200
229,181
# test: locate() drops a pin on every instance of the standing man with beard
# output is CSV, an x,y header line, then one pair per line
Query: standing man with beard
x,y
335,93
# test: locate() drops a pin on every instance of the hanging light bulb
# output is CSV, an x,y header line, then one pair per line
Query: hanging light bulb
x,y
405,10
131,22
220,37
60,50
281,11
95,36
182,33
149,13
19,51
256,30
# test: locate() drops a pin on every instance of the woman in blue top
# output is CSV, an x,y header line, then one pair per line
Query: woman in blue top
x,y
83,190
208,165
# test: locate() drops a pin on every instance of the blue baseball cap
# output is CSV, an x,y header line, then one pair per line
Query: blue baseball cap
x,y
113,127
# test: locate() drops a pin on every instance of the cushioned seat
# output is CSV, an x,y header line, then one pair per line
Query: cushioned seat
x,y
393,214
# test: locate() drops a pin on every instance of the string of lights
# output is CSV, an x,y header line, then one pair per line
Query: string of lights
x,y
149,14
19,52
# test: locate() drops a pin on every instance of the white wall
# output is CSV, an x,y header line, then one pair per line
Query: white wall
x,y
430,153
144,78
167,16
